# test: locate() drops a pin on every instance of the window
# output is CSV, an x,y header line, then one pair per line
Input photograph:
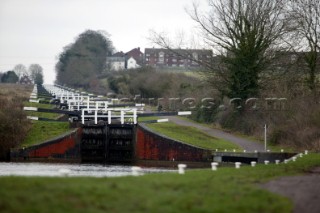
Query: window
x,y
195,57
161,57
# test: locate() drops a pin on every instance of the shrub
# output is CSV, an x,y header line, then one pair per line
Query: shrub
x,y
14,124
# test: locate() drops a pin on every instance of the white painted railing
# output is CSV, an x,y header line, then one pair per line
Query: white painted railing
x,y
109,114
34,93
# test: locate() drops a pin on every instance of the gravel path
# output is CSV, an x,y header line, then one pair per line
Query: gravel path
x,y
303,190
242,142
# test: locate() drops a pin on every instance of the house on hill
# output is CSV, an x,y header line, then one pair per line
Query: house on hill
x,y
134,58
121,61
117,61
132,63
186,58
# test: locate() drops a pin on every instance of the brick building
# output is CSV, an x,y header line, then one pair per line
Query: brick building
x,y
136,54
186,58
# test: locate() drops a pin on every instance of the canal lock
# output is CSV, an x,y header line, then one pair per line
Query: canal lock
x,y
112,143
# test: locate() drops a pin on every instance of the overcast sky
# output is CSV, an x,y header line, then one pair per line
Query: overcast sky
x,y
35,31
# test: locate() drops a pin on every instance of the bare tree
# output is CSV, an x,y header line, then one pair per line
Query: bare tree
x,y
36,73
245,32
20,70
304,22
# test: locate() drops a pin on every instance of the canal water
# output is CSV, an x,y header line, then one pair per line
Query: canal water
x,y
74,170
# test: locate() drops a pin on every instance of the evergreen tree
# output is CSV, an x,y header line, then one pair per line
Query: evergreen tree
x,y
85,59
9,77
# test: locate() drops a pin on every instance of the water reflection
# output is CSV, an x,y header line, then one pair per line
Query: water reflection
x,y
76,170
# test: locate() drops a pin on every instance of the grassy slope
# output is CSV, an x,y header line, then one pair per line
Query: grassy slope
x,y
44,130
225,190
41,114
191,136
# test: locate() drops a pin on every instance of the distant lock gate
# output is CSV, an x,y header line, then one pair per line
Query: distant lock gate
x,y
108,129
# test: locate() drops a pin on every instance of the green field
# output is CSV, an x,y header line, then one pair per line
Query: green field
x,y
225,190
44,130
191,136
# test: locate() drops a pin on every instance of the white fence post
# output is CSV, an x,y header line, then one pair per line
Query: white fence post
x,y
109,116
82,116
122,117
135,116
181,168
96,117
238,164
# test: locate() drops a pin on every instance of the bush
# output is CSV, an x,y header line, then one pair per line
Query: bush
x,y
301,128
149,83
204,115
14,124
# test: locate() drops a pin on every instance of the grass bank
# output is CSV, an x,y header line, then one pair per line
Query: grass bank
x,y
44,130
225,190
191,136
52,116
41,131
272,147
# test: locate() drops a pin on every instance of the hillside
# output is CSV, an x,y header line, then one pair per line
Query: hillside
x,y
10,91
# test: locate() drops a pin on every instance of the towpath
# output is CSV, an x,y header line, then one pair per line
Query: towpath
x,y
248,145
303,190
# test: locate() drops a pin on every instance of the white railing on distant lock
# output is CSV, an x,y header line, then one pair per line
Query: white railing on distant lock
x,y
63,94
87,103
93,108
34,94
122,114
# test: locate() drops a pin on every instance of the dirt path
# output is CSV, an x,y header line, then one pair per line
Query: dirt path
x,y
242,142
303,190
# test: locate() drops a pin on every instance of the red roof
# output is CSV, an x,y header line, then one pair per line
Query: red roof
x,y
136,54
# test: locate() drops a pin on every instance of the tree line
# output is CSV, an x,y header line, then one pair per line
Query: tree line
x,y
34,73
